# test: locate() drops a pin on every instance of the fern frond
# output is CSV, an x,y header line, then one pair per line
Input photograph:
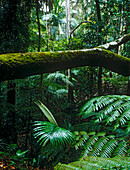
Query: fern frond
x,y
125,116
57,76
109,108
104,101
114,116
108,148
119,110
121,149
99,145
94,163
81,141
60,166
96,104
89,145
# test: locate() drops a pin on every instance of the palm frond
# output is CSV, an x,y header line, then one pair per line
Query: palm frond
x,y
46,112
52,136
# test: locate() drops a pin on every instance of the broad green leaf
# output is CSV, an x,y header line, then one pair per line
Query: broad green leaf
x,y
46,112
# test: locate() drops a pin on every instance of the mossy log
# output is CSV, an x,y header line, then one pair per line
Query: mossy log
x,y
21,65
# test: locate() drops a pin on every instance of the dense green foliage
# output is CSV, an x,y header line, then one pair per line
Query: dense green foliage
x,y
96,163
112,108
14,23
90,131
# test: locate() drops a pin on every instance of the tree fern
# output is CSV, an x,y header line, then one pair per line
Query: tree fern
x,y
100,145
94,163
121,149
111,108
88,146
56,84
57,77
109,148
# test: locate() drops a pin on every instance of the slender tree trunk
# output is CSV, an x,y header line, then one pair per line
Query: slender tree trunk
x,y
28,122
99,42
128,89
91,82
100,81
39,46
11,122
38,22
70,89
67,19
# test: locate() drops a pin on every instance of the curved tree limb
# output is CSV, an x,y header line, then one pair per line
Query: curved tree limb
x,y
116,43
78,27
21,65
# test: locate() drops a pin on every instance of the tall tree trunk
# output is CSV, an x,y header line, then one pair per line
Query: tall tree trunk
x,y
100,81
67,19
11,100
70,89
38,22
128,89
99,42
39,46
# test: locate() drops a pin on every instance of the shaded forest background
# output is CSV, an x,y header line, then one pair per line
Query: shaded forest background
x,y
51,25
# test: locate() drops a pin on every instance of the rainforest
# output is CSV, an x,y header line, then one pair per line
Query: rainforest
x,y
64,84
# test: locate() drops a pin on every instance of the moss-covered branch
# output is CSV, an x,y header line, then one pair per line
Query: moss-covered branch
x,y
116,43
21,65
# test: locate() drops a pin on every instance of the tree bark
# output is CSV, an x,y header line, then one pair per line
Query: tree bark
x,y
11,135
116,43
21,65
99,42
39,46
128,89
38,22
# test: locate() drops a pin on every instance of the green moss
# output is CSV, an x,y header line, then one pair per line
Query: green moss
x,y
43,62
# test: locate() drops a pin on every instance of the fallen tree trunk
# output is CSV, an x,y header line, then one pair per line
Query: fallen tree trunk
x,y
21,65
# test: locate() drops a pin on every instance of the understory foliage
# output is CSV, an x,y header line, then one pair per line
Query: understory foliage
x,y
110,109
100,145
91,163
59,144
102,129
